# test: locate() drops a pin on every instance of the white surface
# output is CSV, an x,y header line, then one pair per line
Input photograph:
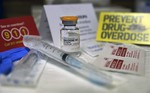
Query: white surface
x,y
56,80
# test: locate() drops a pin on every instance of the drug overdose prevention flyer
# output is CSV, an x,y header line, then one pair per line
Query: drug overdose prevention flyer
x,y
124,27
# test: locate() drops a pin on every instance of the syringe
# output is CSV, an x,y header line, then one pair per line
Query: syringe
x,y
93,74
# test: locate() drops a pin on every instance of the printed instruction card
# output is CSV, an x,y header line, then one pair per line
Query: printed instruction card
x,y
12,31
51,23
122,58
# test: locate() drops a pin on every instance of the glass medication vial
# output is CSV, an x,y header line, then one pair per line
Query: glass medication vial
x,y
70,34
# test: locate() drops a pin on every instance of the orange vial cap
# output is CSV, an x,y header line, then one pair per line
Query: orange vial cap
x,y
69,18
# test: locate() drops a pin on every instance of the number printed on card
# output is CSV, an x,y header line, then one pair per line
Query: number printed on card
x,y
14,33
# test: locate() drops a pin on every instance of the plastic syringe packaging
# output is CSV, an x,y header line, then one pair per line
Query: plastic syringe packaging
x,y
78,63
26,72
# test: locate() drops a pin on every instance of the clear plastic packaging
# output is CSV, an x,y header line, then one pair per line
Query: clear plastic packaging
x,y
26,72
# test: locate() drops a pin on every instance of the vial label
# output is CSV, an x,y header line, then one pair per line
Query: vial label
x,y
70,40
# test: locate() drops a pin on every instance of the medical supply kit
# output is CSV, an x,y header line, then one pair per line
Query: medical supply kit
x,y
89,63
100,63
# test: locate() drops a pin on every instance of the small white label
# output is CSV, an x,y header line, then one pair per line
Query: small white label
x,y
93,48
70,40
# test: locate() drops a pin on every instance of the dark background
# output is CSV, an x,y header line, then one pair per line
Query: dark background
x,y
14,8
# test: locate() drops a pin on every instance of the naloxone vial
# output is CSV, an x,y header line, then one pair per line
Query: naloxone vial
x,y
70,34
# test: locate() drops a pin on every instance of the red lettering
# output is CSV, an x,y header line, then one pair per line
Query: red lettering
x,y
119,65
124,50
114,63
119,51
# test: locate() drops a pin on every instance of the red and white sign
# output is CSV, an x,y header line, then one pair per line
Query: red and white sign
x,y
122,58
12,31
